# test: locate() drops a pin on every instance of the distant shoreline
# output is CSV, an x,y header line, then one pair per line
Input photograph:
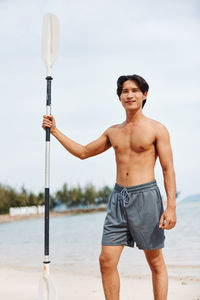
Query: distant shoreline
x,y
5,218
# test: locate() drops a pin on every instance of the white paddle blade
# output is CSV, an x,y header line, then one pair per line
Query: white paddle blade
x,y
50,40
46,289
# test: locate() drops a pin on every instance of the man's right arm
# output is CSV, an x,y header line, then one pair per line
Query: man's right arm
x,y
94,148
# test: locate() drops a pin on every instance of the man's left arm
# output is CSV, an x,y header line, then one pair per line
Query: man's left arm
x,y
165,155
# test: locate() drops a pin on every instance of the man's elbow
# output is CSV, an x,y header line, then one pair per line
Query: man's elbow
x,y
82,157
83,154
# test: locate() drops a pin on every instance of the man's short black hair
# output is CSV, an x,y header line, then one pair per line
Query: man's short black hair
x,y
143,85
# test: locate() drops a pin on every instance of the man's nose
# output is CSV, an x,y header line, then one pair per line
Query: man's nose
x,y
130,95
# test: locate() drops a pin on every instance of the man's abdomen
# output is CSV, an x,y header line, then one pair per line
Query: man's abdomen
x,y
135,171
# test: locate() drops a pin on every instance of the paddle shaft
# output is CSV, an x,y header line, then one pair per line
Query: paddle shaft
x,y
47,174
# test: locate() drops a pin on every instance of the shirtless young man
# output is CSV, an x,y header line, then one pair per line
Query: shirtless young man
x,y
135,211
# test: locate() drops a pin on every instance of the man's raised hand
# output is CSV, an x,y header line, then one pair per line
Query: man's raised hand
x,y
49,121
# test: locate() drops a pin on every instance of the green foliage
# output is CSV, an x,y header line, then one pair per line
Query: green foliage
x,y
63,194
71,197
40,198
103,194
75,196
89,194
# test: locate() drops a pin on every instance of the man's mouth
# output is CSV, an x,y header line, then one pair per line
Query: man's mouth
x,y
130,101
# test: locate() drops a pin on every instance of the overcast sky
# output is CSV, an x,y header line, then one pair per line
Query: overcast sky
x,y
100,40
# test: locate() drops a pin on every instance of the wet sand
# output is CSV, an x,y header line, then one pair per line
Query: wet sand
x,y
7,218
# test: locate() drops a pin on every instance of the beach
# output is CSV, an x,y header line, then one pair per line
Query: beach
x,y
22,284
4,218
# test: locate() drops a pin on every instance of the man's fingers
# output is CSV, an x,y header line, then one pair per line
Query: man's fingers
x,y
167,220
46,123
168,225
172,224
161,220
48,117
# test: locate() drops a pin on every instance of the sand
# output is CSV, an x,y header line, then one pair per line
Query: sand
x,y
4,218
22,284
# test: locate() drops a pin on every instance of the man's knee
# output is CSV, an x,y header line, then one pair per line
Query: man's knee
x,y
109,257
156,261
107,262
157,267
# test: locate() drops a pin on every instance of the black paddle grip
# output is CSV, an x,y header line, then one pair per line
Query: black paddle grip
x,y
47,134
49,78
46,234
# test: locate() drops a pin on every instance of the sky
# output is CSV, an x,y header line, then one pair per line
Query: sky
x,y
99,41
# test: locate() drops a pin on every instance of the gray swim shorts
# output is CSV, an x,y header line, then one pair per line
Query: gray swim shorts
x,y
133,215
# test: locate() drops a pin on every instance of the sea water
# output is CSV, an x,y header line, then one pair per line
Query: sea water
x,y
75,244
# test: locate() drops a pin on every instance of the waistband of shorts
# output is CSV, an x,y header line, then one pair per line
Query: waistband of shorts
x,y
134,188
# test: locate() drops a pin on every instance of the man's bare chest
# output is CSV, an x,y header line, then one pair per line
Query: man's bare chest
x,y
132,140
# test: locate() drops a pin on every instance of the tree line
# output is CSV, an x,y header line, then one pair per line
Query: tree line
x,y
70,196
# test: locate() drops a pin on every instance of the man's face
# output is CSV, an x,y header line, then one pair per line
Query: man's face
x,y
131,96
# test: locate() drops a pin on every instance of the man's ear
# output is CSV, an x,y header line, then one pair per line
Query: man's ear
x,y
145,94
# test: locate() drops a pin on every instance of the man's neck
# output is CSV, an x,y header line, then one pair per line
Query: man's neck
x,y
133,117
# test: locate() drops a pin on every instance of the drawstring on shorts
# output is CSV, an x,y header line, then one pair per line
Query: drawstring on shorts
x,y
125,196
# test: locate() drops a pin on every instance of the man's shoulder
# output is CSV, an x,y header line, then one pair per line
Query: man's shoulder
x,y
156,124
113,127
159,129
111,130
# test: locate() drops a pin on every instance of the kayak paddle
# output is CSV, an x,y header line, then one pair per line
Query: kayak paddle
x,y
50,46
